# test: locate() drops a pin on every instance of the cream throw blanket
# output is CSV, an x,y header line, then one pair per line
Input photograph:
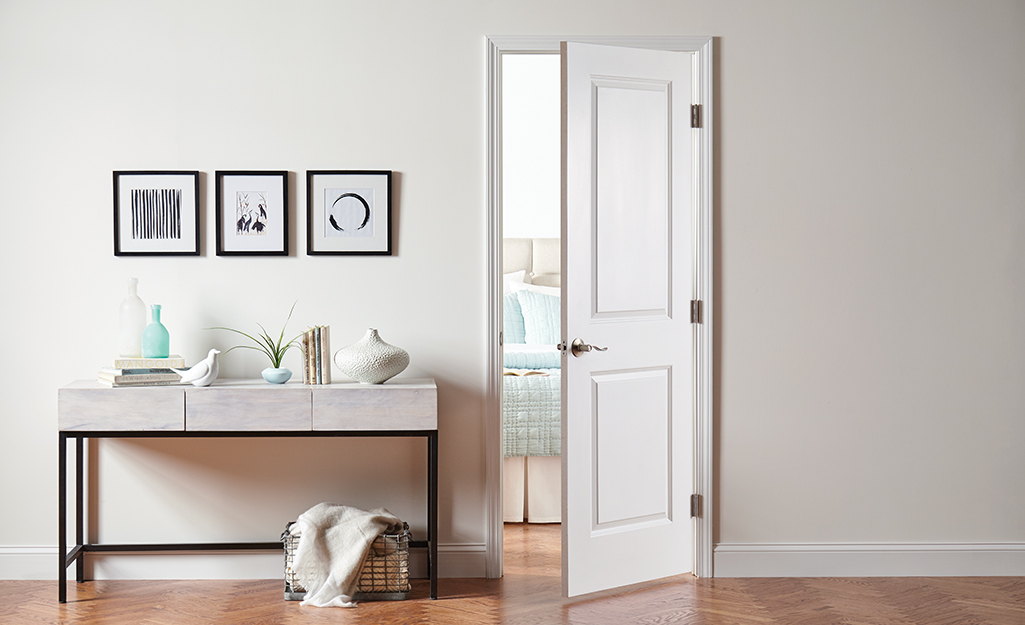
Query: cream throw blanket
x,y
334,542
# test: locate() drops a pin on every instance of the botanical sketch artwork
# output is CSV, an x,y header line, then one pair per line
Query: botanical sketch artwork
x,y
349,212
251,213
156,214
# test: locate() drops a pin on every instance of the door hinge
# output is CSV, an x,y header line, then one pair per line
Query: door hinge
x,y
695,505
695,311
695,116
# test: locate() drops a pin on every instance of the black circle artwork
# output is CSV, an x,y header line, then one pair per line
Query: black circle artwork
x,y
366,212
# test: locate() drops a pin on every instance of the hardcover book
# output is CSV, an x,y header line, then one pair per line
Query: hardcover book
x,y
123,376
131,384
311,356
326,354
174,360
304,344
319,354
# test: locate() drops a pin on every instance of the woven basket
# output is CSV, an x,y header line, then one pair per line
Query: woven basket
x,y
385,572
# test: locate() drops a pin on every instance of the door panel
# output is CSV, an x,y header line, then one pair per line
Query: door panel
x,y
627,411
632,197
631,449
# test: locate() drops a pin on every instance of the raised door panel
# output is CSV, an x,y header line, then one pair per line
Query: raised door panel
x,y
632,203
632,430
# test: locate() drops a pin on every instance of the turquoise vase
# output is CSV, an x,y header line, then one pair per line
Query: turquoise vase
x,y
156,342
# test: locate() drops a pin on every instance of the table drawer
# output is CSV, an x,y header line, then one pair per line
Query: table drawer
x,y
375,408
101,409
219,409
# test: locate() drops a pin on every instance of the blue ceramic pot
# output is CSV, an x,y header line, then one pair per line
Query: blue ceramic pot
x,y
279,375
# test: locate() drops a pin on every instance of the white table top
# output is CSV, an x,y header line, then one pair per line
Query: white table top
x,y
248,405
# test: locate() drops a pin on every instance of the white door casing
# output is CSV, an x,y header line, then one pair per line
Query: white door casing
x,y
698,49
627,283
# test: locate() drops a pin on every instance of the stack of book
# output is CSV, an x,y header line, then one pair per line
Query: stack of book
x,y
316,346
141,372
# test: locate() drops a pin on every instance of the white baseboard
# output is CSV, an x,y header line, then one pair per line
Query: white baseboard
x,y
35,562
869,560
28,562
459,560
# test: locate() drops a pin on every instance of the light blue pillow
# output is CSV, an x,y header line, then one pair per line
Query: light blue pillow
x,y
542,317
512,320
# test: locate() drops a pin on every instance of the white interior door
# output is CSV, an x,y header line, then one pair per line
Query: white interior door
x,y
627,284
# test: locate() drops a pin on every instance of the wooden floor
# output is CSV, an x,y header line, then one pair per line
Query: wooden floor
x,y
530,593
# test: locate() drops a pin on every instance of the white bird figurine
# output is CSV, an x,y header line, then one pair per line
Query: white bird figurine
x,y
201,373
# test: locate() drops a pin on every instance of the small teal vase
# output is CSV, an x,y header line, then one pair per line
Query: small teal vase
x,y
156,342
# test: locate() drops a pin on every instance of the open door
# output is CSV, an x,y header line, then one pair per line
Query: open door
x,y
627,284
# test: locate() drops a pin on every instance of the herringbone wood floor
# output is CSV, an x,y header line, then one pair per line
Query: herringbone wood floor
x,y
530,594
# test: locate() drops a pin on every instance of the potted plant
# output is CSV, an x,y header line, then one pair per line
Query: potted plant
x,y
273,349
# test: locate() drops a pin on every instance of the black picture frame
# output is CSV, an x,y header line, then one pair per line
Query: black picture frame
x,y
357,221
243,229
156,213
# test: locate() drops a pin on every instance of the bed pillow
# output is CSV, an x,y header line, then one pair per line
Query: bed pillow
x,y
531,357
509,279
512,320
536,288
542,317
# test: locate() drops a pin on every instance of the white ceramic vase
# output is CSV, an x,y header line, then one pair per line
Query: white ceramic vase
x,y
370,360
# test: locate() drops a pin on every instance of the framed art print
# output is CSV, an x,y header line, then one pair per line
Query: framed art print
x,y
252,213
348,212
156,213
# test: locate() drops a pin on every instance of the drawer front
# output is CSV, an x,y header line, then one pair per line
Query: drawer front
x,y
375,408
218,409
121,409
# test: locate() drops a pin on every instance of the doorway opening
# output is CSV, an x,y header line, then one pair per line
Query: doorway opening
x,y
699,51
532,277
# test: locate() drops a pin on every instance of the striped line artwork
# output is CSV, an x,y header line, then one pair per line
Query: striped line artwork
x,y
156,214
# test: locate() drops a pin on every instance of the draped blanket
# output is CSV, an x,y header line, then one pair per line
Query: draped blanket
x,y
334,542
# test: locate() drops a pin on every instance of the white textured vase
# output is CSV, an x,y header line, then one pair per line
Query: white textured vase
x,y
370,360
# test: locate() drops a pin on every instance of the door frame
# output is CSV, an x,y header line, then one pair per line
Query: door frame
x,y
700,48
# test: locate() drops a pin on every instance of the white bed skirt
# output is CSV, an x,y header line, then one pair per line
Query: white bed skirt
x,y
533,489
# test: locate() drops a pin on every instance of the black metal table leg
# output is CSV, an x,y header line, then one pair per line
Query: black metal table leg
x,y
432,510
77,554
62,517
79,507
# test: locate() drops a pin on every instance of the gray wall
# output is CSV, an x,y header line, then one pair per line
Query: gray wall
x,y
870,251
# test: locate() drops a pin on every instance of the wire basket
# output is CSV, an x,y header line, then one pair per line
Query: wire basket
x,y
383,577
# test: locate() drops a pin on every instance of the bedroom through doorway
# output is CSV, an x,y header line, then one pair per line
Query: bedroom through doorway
x,y
531,303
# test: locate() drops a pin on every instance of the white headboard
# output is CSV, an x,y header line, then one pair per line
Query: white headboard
x,y
540,258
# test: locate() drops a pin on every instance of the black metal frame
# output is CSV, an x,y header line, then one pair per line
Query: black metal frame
x,y
77,554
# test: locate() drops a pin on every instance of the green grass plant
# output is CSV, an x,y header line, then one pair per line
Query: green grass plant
x,y
273,349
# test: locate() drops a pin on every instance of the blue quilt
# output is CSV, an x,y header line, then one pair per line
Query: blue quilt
x,y
520,358
532,414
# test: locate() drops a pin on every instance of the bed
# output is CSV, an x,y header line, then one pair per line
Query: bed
x,y
532,384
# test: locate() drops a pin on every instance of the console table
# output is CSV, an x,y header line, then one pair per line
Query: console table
x,y
239,408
